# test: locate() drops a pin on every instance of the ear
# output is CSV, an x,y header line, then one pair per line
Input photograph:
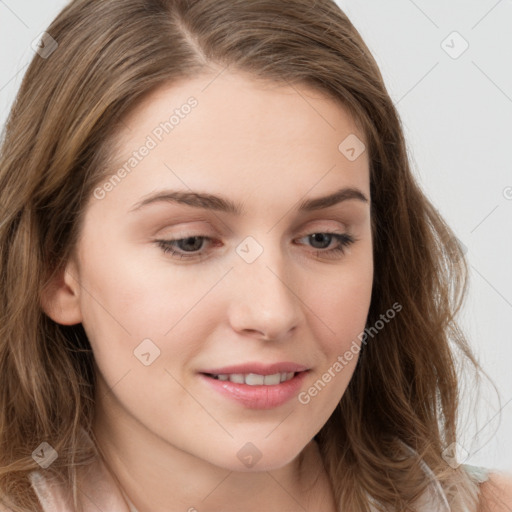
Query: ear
x,y
60,298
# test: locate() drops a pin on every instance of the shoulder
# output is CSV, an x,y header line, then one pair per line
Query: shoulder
x,y
496,493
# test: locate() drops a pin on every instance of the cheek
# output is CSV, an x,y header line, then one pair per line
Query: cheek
x,y
128,298
341,304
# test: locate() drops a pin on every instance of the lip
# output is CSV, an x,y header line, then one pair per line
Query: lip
x,y
260,396
259,368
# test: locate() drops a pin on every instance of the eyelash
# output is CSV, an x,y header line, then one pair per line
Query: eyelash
x,y
344,240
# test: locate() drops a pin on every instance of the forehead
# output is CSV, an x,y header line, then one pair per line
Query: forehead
x,y
231,130
238,105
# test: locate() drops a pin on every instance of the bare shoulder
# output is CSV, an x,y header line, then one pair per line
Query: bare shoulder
x,y
496,493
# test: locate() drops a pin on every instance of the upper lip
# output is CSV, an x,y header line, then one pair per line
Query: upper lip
x,y
258,368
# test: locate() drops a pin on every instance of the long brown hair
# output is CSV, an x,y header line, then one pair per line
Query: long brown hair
x,y
57,146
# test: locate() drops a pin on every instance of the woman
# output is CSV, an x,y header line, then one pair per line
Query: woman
x,y
297,355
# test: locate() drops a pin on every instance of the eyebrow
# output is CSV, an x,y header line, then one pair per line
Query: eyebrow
x,y
223,204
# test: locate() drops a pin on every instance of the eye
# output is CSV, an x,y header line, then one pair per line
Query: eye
x,y
190,247
325,238
188,244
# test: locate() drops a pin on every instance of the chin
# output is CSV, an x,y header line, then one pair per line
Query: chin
x,y
260,456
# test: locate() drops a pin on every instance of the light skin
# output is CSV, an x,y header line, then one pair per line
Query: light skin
x,y
168,437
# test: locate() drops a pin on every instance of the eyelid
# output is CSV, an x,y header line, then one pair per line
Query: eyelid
x,y
316,226
186,229
196,227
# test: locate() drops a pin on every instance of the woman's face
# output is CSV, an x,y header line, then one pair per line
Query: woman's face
x,y
253,287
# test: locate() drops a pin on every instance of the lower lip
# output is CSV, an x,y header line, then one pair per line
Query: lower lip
x,y
258,397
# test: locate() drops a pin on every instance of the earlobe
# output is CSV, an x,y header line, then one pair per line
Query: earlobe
x,y
60,298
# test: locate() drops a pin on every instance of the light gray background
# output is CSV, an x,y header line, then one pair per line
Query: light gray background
x,y
457,115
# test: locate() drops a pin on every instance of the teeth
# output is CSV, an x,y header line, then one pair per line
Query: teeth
x,y
253,379
257,380
272,380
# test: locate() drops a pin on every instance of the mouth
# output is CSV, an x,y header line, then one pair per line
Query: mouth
x,y
262,388
254,379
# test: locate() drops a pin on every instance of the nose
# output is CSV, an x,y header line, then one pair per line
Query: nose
x,y
266,302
